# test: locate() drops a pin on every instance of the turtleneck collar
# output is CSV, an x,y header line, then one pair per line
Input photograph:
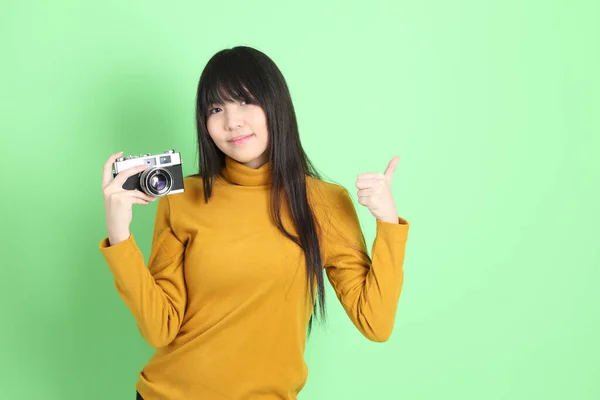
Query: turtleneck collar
x,y
240,174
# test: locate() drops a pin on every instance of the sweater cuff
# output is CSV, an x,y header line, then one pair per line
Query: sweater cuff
x,y
106,248
120,254
399,230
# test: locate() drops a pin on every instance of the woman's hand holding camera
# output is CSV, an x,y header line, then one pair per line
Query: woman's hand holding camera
x,y
118,201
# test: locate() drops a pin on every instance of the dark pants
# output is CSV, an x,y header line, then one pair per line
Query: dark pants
x,y
138,396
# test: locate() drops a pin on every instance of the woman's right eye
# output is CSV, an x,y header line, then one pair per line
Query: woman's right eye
x,y
212,110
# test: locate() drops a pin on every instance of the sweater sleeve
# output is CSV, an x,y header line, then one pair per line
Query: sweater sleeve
x,y
369,290
156,294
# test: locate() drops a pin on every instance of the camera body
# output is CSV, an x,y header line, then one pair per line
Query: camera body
x,y
163,177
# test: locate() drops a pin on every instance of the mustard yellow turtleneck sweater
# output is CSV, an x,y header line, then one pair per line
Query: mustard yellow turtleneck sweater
x,y
223,297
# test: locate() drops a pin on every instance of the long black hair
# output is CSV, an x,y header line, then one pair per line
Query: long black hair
x,y
245,73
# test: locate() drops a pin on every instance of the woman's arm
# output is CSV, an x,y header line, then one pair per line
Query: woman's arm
x,y
156,295
368,290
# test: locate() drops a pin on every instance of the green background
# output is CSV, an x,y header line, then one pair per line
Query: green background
x,y
491,105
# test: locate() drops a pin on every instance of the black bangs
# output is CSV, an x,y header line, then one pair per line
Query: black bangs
x,y
229,78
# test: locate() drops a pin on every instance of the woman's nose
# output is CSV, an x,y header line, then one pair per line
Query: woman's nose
x,y
233,120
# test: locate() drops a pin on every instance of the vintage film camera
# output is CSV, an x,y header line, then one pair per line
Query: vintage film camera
x,y
164,176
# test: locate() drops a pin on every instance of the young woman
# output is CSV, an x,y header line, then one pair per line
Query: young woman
x,y
237,259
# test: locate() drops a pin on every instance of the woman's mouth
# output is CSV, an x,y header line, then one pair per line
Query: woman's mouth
x,y
242,139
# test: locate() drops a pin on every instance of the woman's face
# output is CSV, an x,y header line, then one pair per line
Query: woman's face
x,y
244,122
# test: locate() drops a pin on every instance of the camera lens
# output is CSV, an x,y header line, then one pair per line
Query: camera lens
x,y
156,182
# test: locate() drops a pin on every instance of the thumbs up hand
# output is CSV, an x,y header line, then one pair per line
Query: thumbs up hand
x,y
375,193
